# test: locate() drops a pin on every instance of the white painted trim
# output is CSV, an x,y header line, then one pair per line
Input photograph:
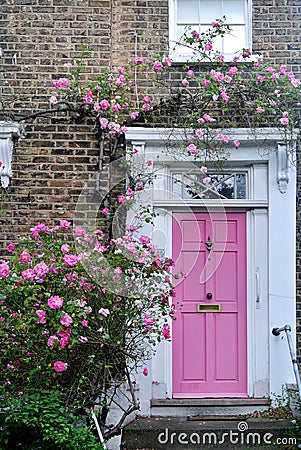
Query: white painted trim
x,y
270,242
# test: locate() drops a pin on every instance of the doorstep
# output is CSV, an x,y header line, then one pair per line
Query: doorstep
x,y
207,406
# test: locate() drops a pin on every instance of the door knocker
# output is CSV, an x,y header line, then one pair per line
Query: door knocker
x,y
209,244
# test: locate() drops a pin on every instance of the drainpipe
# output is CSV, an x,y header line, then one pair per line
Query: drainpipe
x,y
287,328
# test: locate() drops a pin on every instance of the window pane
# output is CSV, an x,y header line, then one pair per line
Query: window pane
x,y
234,11
187,11
210,10
241,191
236,40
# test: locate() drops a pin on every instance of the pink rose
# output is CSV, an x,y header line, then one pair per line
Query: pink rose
x,y
60,366
158,66
10,247
55,302
64,224
104,312
66,320
51,341
4,270
24,257
166,331
28,274
71,260
41,269
65,248
41,315
121,198
145,372
144,239
191,148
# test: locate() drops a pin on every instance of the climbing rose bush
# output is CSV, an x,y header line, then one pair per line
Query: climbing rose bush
x,y
208,99
78,315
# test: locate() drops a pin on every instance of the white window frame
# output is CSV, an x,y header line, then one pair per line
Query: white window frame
x,y
180,56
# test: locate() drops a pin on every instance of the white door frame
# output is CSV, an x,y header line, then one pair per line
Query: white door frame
x,y
270,212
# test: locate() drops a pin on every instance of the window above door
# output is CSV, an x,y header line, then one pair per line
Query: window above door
x,y
198,15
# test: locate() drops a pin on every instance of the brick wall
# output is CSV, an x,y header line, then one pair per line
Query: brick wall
x,y
38,36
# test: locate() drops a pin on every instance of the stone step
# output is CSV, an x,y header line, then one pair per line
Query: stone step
x,y
207,406
157,433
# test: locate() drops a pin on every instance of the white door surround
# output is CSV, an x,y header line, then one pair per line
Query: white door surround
x,y
270,214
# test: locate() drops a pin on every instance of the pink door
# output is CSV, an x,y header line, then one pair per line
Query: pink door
x,y
209,333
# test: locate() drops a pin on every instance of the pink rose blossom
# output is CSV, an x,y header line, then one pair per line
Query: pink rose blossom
x,y
64,224
24,257
260,110
206,82
84,323
61,83
167,62
284,120
10,247
185,82
190,73
118,270
53,100
134,115
51,341
4,270
41,269
41,315
283,69
71,260
208,47
223,137
192,149
68,65
66,320
144,239
145,372
28,274
158,66
146,99
138,60
236,143
206,180
203,169
79,231
166,331
216,25
121,198
104,312
199,134
233,70
65,248
148,320
60,366
129,192
105,211
55,302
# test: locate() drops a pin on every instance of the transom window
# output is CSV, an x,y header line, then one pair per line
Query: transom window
x,y
199,15
224,186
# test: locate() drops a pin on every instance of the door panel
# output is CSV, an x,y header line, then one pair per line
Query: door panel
x,y
210,348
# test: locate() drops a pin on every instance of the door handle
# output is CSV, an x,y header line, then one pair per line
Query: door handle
x,y
257,277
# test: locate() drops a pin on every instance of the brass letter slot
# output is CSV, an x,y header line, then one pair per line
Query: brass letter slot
x,y
209,307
